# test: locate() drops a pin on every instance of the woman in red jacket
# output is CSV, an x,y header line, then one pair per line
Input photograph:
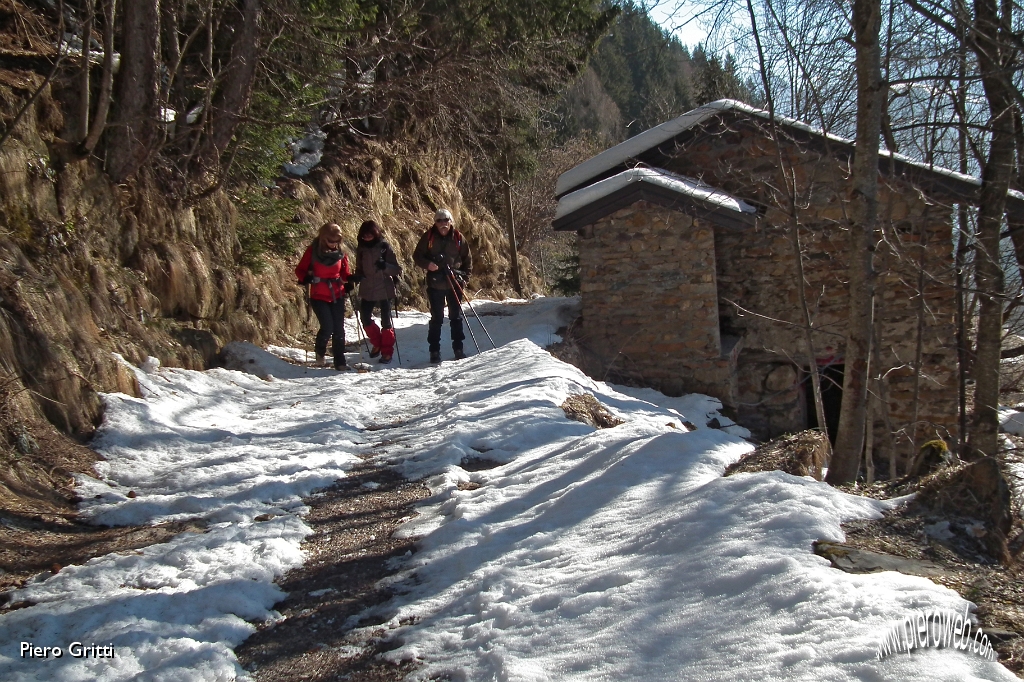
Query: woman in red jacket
x,y
324,267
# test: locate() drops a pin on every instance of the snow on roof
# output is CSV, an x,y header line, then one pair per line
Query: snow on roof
x,y
656,176
635,146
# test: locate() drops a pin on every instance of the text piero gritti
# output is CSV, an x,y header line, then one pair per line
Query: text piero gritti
x,y
74,650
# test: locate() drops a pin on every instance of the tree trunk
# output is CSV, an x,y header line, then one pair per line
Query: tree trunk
x,y
517,283
964,355
233,96
812,363
869,446
83,85
993,61
919,344
137,112
846,456
794,234
99,119
880,391
963,247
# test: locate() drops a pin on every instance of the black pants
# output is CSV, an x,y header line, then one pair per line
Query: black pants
x,y
439,298
366,313
331,317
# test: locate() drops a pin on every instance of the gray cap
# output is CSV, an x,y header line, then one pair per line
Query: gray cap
x,y
442,214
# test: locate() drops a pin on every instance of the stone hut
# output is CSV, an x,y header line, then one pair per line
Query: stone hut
x,y
690,281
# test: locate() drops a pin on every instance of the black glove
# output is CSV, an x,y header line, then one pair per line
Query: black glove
x,y
308,279
461,276
439,259
356,279
348,286
382,264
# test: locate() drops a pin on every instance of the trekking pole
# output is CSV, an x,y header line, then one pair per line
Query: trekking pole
x,y
359,328
451,283
309,309
398,351
462,294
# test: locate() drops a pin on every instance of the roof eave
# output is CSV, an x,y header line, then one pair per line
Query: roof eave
x,y
655,194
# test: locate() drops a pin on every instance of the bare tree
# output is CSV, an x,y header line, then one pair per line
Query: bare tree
x,y
99,119
794,229
849,445
89,9
988,32
137,110
237,79
993,45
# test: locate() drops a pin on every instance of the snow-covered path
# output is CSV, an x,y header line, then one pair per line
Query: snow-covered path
x,y
612,554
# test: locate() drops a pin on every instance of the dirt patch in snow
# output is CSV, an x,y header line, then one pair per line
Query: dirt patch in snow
x,y
40,529
350,551
800,454
585,408
38,547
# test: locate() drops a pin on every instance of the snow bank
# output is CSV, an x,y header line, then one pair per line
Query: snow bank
x,y
623,553
583,554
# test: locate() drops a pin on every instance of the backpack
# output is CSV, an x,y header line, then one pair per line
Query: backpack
x,y
455,233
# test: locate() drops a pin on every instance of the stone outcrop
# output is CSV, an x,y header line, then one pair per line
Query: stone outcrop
x,y
583,407
933,456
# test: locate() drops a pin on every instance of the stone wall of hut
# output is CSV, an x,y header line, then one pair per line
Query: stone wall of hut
x,y
650,302
759,301
759,294
682,305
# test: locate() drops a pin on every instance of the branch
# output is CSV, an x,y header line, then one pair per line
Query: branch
x,y
46,81
783,322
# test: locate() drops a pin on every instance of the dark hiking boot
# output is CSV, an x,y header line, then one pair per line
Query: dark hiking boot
x,y
460,354
435,357
374,352
385,360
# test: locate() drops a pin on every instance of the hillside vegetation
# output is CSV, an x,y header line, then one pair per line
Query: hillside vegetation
x,y
144,211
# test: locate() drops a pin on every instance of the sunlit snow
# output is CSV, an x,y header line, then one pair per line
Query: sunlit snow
x,y
587,554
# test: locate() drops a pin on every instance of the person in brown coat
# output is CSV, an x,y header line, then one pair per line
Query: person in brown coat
x,y
444,254
376,270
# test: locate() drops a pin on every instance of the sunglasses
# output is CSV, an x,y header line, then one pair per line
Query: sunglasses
x,y
443,220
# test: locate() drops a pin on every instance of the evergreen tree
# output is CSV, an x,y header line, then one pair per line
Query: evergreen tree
x,y
650,77
716,80
644,69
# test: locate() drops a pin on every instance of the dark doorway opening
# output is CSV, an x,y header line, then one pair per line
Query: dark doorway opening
x,y
831,377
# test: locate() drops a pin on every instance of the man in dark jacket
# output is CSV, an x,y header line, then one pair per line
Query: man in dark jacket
x,y
444,254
